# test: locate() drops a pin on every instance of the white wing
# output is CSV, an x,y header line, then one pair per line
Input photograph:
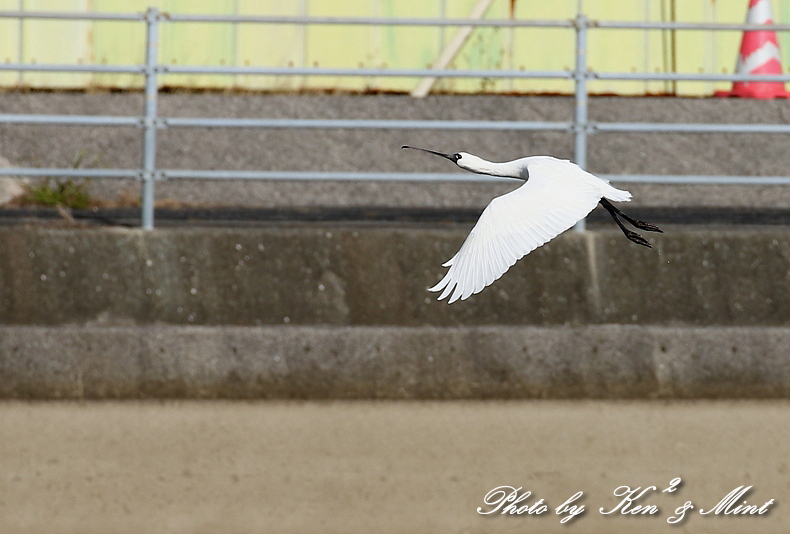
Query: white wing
x,y
556,196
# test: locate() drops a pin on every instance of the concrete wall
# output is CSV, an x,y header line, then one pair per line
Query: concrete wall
x,y
319,362
335,274
341,311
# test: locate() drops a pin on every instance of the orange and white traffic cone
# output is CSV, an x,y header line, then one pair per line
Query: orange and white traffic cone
x,y
759,56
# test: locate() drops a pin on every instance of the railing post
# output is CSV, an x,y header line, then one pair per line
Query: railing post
x,y
580,116
149,121
21,44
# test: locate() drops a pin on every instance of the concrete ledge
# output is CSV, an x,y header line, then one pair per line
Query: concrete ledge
x,y
306,362
346,274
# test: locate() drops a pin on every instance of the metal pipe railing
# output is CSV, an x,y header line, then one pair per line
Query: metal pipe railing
x,y
338,176
689,77
362,71
195,174
60,15
580,125
71,172
73,120
366,124
394,21
108,69
368,21
660,127
149,126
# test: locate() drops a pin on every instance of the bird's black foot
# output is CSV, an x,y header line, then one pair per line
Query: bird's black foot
x,y
636,238
645,226
632,236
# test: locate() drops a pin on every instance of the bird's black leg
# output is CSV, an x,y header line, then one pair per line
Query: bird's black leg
x,y
638,224
632,236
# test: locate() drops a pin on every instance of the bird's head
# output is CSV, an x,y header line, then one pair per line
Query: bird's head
x,y
468,162
455,158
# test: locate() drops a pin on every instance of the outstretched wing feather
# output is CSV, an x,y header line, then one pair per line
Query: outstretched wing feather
x,y
556,196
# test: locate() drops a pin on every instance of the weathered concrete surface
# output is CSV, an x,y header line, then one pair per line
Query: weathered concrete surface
x,y
11,187
303,362
345,274
369,150
383,467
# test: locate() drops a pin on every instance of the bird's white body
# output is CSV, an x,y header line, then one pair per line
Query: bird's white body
x,y
557,194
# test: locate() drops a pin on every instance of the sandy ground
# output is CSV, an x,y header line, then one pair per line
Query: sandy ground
x,y
351,467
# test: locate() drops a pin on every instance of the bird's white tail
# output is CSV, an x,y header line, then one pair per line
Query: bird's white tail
x,y
617,195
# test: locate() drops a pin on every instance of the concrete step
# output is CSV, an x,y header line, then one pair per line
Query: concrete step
x,y
326,273
363,362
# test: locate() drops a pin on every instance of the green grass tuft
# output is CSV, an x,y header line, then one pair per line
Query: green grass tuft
x,y
66,194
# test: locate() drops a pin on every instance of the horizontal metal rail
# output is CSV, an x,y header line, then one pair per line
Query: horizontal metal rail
x,y
43,67
383,72
335,176
394,124
459,177
74,120
192,174
367,124
437,22
368,21
662,127
395,73
682,179
60,15
707,26
382,21
688,77
71,172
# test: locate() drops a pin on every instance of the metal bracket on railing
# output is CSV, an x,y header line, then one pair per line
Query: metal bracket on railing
x,y
583,128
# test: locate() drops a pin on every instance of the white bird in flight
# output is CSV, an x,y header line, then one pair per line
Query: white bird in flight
x,y
555,196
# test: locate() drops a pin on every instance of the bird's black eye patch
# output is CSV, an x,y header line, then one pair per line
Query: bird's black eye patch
x,y
456,157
